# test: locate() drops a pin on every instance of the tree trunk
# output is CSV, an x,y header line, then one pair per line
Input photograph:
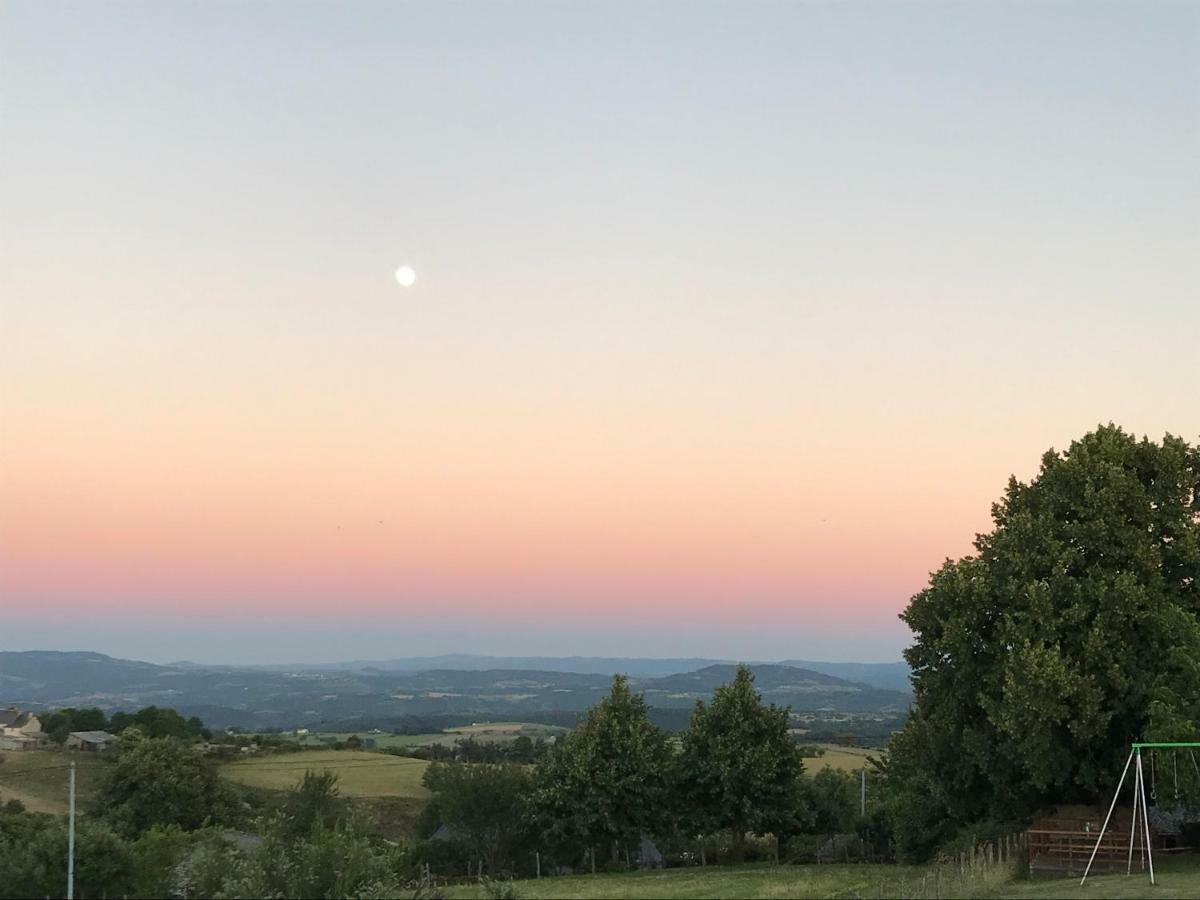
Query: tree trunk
x,y
739,844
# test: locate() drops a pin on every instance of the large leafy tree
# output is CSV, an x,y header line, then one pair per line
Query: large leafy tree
x,y
608,782
60,724
157,722
160,781
1073,630
485,807
740,767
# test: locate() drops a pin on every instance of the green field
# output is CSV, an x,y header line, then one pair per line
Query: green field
x,y
382,741
844,759
486,732
39,778
1179,879
360,774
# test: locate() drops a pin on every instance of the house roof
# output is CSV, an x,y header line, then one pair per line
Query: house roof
x,y
94,737
13,717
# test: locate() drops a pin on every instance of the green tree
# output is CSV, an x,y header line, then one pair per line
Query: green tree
x,y
608,782
160,781
740,767
316,801
157,722
328,862
33,857
61,723
1074,630
833,799
157,856
485,808
522,750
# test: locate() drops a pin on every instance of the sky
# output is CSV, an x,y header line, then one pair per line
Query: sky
x,y
731,319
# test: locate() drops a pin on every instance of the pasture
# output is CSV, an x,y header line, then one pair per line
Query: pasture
x,y
360,774
319,739
484,732
844,759
39,778
1179,878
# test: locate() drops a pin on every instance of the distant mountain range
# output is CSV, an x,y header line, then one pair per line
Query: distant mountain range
x,y
891,676
395,690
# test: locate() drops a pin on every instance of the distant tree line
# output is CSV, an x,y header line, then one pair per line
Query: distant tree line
x,y
153,721
521,750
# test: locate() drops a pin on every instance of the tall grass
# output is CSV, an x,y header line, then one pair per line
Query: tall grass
x,y
977,872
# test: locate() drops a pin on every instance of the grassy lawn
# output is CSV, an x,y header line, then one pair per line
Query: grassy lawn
x,y
39,778
1178,879
360,774
751,881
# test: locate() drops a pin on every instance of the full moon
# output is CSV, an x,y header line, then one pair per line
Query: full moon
x,y
406,276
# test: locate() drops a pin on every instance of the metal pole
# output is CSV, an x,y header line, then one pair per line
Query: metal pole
x,y
863,804
1116,794
1146,823
71,838
1133,825
1138,787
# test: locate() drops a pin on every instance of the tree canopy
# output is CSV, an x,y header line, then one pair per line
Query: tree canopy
x,y
1073,630
740,768
608,782
484,807
160,781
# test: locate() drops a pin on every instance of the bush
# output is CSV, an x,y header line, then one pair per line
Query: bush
x,y
33,848
161,781
499,889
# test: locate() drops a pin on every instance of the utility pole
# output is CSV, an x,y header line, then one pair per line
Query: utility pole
x,y
863,802
71,838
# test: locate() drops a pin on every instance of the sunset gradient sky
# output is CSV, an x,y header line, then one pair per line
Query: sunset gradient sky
x,y
731,322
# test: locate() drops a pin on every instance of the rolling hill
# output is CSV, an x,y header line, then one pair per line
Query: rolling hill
x,y
270,697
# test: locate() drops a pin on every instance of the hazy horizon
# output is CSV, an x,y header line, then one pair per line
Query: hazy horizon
x,y
270,645
729,324
256,662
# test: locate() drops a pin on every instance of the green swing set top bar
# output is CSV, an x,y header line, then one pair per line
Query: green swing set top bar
x,y
1142,745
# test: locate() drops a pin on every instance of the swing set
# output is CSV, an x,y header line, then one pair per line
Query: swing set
x,y
1139,799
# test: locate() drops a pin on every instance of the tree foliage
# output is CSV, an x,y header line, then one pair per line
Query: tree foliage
x,y
1073,630
158,722
740,767
327,862
160,781
484,807
314,803
61,723
33,857
608,782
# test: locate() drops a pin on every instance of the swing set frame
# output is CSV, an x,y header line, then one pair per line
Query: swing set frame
x,y
1139,802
